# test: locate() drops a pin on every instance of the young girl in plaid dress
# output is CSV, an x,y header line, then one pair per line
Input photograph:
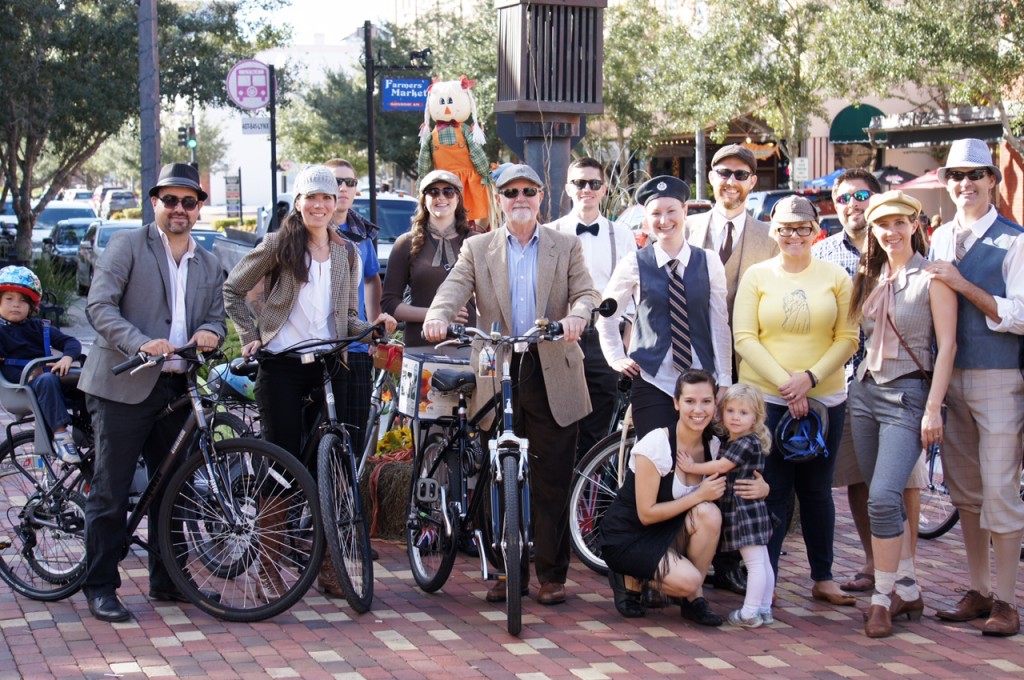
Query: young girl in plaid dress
x,y
746,525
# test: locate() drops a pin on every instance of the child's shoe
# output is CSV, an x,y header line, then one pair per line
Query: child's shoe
x,y
736,619
766,617
64,447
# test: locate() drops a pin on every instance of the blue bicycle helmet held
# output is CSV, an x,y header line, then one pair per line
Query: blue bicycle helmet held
x,y
801,440
227,383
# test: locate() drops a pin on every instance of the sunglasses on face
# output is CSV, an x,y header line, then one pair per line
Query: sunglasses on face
x,y
740,175
973,175
512,194
447,192
861,195
347,181
799,231
171,202
594,184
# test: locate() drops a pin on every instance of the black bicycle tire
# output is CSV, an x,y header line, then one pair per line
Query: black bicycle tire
x,y
64,587
935,495
226,419
585,516
350,552
266,464
512,542
431,582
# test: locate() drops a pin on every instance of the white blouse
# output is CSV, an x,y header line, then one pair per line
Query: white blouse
x,y
655,447
311,314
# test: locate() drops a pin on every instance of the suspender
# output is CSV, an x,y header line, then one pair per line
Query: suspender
x,y
46,347
611,241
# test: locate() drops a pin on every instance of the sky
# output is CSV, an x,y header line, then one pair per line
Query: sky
x,y
333,19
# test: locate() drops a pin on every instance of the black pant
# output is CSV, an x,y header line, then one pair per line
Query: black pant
x,y
354,408
122,432
602,384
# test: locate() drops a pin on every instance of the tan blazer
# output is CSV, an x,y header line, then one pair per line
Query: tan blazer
x,y
564,288
755,245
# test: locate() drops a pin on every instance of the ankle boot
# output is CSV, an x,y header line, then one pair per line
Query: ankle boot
x,y
912,609
879,623
328,579
629,603
271,522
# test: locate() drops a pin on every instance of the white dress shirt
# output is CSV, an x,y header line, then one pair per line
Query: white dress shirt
x,y
716,228
178,334
312,315
597,250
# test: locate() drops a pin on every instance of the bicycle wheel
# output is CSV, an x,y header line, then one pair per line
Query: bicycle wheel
x,y
512,542
42,524
938,514
594,488
265,491
346,526
430,545
227,425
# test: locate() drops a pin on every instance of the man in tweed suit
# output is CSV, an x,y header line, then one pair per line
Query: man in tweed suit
x,y
153,290
518,273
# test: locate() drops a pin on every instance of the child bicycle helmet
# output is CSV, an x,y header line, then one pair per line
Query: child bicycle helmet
x,y
803,439
224,382
21,280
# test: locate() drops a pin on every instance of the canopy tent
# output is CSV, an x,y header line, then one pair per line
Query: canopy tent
x,y
929,180
826,181
890,175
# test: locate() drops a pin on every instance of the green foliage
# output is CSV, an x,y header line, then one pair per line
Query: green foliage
x,y
304,137
129,214
232,346
248,225
56,280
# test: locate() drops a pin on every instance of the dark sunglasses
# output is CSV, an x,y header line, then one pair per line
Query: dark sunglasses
x,y
512,194
740,175
973,175
347,181
594,184
188,203
861,195
447,192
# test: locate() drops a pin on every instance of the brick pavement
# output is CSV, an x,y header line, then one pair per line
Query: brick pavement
x,y
455,633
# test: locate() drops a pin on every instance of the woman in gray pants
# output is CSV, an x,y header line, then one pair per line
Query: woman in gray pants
x,y
896,399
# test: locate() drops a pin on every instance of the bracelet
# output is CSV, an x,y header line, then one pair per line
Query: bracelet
x,y
814,381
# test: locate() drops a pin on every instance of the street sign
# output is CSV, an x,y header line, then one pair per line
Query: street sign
x,y
256,126
403,94
233,195
248,84
801,169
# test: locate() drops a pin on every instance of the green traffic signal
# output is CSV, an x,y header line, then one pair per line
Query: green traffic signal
x,y
192,142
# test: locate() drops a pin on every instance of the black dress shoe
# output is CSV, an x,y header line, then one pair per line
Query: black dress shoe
x,y
629,603
177,596
374,555
734,580
467,546
108,608
699,611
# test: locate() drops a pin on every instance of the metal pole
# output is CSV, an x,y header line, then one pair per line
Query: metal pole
x,y
273,151
149,101
241,203
698,164
371,131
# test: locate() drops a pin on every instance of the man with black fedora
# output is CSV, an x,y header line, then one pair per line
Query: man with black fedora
x,y
980,255
153,290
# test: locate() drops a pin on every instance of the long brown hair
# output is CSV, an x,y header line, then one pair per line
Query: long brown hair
x,y
421,219
870,267
292,251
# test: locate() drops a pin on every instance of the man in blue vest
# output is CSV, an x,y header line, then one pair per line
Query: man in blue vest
x,y
980,255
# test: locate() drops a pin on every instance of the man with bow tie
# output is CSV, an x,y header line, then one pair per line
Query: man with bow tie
x,y
604,244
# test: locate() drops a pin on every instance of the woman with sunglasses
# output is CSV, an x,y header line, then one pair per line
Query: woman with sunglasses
x,y
422,257
793,335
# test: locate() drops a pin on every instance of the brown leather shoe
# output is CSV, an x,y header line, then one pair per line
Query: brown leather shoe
x,y
879,623
973,605
1004,620
912,609
328,579
499,592
836,599
551,593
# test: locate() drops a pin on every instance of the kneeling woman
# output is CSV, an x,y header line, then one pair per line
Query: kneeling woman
x,y
663,527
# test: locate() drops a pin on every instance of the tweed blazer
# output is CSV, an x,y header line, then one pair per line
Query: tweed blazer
x,y
129,304
564,288
755,245
275,305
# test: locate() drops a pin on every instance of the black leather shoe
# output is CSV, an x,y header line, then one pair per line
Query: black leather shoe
x,y
374,555
734,580
108,608
629,603
467,546
177,596
699,611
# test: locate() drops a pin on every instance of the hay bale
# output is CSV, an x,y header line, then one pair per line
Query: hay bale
x,y
392,499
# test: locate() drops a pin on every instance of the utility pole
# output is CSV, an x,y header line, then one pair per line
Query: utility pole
x,y
149,101
371,128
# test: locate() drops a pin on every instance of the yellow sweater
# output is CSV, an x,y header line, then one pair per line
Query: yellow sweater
x,y
786,322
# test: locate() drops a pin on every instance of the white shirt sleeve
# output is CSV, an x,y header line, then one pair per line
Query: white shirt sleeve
x,y
655,448
624,284
721,335
1011,307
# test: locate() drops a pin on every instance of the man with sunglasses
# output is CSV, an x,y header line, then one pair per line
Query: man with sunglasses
x,y
519,273
980,255
153,290
604,244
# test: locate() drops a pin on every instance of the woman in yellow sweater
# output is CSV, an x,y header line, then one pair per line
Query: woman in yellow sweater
x,y
793,335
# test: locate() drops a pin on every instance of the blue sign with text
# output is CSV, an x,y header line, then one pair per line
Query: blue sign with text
x,y
404,94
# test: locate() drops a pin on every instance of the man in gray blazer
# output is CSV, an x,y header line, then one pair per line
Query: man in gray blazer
x,y
153,290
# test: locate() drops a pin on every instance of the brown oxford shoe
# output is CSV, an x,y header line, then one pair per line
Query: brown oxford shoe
x,y
551,593
973,605
499,592
879,623
912,609
1004,620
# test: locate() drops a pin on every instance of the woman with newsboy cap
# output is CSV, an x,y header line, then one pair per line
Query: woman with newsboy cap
x,y
793,335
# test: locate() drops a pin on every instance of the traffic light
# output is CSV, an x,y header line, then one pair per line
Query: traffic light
x,y
183,136
191,142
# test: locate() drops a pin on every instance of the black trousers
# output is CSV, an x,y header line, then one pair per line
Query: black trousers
x,y
602,384
122,432
354,408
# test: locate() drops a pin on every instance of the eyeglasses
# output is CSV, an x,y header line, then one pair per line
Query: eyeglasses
x,y
740,175
512,194
861,195
347,181
188,203
594,184
799,231
973,175
447,192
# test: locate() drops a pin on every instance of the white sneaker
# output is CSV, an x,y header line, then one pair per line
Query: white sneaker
x,y
736,619
64,447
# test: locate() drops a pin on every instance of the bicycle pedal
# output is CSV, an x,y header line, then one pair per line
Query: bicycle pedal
x,y
427,490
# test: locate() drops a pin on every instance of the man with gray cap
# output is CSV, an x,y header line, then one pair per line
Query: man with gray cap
x,y
980,255
153,290
517,274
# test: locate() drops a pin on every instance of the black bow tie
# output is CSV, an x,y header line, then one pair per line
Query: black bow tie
x,y
587,228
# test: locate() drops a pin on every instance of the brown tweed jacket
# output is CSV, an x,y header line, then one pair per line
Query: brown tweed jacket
x,y
275,306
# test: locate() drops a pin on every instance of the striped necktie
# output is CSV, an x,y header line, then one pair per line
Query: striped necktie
x,y
682,354
961,242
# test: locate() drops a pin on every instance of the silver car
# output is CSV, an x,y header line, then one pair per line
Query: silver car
x,y
91,247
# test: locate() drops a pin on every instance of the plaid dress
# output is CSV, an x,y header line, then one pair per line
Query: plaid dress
x,y
743,522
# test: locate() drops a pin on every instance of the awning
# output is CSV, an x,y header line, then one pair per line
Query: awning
x,y
929,180
848,127
938,128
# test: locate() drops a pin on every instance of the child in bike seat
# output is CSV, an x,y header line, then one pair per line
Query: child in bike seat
x,y
23,338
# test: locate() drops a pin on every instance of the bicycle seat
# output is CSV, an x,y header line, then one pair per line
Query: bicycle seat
x,y
451,380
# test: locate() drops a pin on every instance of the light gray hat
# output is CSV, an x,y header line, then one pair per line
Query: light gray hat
x,y
435,176
514,172
969,153
316,179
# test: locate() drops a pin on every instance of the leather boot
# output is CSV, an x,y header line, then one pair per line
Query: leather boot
x,y
879,623
328,579
271,522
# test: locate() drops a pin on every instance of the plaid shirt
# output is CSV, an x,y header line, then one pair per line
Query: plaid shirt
x,y
446,136
837,249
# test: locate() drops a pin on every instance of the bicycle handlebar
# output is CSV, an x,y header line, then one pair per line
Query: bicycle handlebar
x,y
542,330
143,360
335,344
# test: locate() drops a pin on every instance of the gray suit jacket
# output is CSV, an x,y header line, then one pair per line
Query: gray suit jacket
x,y
130,304
755,245
564,288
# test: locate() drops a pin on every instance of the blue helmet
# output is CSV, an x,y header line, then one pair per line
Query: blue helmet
x,y
21,280
225,383
803,439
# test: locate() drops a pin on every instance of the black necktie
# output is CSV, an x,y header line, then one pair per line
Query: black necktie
x,y
679,320
726,250
587,229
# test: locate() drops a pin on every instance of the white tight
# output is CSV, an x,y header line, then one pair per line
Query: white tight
x,y
760,579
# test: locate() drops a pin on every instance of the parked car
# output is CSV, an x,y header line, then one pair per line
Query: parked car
x,y
92,245
61,246
760,203
100,193
8,233
81,194
206,237
116,201
633,217
54,212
